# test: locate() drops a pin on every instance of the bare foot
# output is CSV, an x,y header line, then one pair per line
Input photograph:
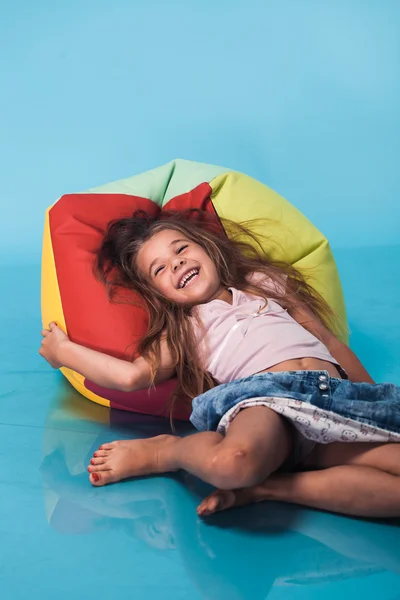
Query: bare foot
x,y
127,458
224,499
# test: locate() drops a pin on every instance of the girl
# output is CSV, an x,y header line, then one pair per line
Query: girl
x,y
297,417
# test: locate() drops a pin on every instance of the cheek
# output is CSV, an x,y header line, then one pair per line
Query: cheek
x,y
210,266
159,285
164,285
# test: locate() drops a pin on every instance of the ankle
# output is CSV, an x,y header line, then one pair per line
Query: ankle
x,y
167,457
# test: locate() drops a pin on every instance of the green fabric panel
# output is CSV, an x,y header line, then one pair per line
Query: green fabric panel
x,y
163,183
186,175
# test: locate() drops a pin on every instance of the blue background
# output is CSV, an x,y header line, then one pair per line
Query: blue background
x,y
301,94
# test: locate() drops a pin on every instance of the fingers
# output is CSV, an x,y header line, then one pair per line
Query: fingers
x,y
52,327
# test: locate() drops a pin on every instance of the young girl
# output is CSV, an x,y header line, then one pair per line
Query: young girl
x,y
297,417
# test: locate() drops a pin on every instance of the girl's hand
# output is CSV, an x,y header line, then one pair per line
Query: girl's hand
x,y
52,342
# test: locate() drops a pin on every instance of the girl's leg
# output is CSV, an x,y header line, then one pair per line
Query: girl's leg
x,y
385,457
358,479
257,443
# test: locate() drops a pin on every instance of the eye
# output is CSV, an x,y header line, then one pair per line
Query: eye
x,y
156,272
181,248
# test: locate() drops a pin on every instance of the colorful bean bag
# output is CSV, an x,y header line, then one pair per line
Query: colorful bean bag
x,y
74,225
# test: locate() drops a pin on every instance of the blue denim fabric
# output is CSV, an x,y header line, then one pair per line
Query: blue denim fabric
x,y
375,404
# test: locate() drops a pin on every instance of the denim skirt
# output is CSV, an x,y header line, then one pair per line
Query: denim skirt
x,y
322,409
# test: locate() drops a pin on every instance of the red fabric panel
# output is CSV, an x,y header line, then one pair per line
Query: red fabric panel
x,y
199,197
142,400
77,224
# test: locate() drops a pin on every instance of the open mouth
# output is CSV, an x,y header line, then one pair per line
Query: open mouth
x,y
188,278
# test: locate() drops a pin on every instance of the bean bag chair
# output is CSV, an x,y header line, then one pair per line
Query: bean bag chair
x,y
73,229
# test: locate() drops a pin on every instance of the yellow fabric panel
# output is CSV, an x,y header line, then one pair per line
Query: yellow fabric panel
x,y
291,236
52,308
50,293
77,381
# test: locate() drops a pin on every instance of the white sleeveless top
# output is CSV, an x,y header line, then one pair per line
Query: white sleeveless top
x,y
243,338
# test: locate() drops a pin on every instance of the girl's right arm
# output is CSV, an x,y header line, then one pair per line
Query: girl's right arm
x,y
102,369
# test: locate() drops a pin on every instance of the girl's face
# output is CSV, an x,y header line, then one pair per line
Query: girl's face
x,y
178,268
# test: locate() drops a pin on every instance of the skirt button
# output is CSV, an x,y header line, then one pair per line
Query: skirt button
x,y
323,386
322,377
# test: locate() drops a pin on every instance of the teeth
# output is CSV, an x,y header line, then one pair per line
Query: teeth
x,y
184,279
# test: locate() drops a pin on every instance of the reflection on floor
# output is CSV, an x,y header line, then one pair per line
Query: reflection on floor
x,y
142,538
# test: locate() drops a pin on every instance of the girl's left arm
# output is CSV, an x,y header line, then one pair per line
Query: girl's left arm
x,y
340,352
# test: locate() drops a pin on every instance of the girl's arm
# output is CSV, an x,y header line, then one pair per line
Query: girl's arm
x,y
102,369
340,352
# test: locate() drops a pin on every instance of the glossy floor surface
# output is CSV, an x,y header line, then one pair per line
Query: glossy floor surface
x,y
61,538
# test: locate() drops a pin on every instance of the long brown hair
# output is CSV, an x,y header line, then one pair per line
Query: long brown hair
x,y
237,252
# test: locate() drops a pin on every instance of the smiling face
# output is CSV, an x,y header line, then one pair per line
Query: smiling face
x,y
178,268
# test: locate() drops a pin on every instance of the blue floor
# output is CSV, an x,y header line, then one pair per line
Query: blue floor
x,y
61,538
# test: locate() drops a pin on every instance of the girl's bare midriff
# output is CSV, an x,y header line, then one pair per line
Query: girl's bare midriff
x,y
305,364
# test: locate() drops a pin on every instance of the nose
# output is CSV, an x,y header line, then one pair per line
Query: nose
x,y
178,262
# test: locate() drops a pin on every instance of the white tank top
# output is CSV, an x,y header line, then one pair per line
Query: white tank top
x,y
243,338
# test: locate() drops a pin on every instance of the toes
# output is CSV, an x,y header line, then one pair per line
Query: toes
x,y
97,479
209,506
216,502
100,453
98,461
103,478
109,446
98,467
